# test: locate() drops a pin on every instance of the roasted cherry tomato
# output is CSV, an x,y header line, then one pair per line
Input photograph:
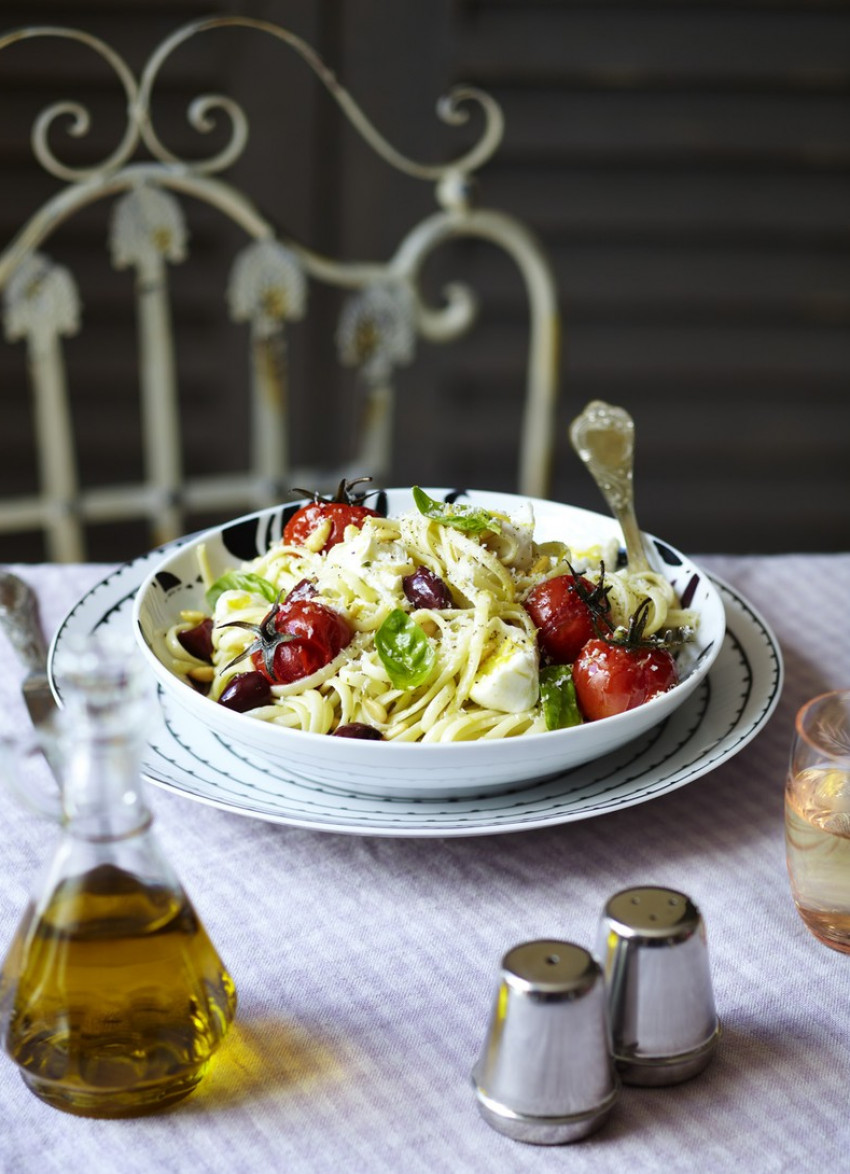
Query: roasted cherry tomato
x,y
340,511
563,619
304,637
611,678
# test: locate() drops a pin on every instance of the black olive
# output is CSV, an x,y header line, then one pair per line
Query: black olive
x,y
359,730
425,589
246,691
198,640
303,589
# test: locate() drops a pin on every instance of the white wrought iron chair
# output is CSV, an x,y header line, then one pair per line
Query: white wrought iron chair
x,y
384,311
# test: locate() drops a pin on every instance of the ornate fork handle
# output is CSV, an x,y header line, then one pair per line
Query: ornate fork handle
x,y
604,438
19,617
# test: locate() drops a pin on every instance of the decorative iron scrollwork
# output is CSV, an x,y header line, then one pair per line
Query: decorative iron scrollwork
x,y
147,225
41,300
453,109
267,286
377,329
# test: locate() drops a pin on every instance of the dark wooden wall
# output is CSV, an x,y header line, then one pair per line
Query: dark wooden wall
x,y
686,165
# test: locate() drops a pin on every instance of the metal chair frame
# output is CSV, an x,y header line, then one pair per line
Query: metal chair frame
x,y
384,312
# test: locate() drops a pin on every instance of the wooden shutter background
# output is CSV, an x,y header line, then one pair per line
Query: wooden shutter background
x,y
686,165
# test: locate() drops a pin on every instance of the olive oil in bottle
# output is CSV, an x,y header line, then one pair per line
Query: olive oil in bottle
x,y
112,996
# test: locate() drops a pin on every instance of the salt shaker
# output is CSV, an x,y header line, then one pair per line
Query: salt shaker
x,y
663,1021
545,1074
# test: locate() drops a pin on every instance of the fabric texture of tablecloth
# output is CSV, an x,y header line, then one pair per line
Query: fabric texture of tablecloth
x,y
366,966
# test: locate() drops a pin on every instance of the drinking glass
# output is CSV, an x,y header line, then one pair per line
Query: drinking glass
x,y
817,817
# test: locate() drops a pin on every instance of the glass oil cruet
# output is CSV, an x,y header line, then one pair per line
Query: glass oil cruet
x,y
112,996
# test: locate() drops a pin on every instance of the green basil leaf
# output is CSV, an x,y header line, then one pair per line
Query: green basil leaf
x,y
469,518
558,697
405,651
241,581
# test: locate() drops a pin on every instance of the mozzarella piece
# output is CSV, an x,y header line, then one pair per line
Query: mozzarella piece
x,y
508,679
377,562
590,559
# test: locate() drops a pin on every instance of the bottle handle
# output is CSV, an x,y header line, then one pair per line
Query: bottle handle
x,y
25,763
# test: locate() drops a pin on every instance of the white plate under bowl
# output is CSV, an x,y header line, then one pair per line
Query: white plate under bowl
x,y
403,768
720,718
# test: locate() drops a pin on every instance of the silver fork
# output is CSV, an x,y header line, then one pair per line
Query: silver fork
x,y
20,620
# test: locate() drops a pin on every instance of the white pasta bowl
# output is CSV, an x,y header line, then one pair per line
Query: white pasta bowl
x,y
405,769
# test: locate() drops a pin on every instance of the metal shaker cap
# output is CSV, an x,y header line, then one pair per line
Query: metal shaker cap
x,y
545,1074
662,1016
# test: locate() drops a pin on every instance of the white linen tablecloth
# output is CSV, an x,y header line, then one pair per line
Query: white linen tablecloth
x,y
366,966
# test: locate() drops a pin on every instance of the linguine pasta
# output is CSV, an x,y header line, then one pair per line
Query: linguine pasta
x,y
484,679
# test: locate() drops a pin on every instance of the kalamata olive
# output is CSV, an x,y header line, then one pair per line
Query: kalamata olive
x,y
359,730
246,691
198,640
303,589
425,589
